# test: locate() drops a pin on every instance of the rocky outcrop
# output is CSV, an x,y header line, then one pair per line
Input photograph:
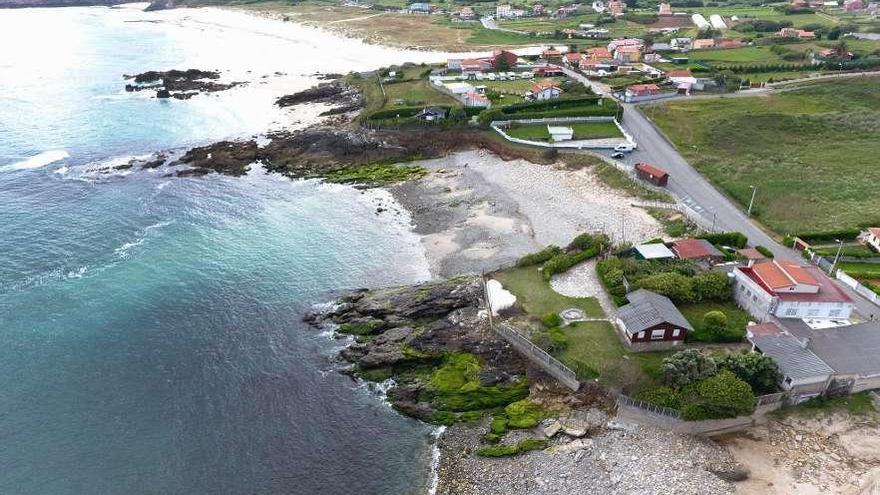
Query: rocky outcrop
x,y
179,84
342,96
226,157
403,328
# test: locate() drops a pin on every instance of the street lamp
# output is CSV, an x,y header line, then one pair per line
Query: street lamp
x,y
836,256
752,201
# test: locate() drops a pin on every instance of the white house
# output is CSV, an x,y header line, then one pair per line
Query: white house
x,y
503,10
559,133
544,90
786,289
871,237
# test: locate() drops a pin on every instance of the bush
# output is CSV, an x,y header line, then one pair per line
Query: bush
x,y
687,366
610,272
551,320
766,252
586,241
711,286
715,322
539,257
558,339
661,396
758,370
675,286
562,262
721,396
732,239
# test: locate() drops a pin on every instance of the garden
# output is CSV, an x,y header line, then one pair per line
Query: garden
x,y
582,131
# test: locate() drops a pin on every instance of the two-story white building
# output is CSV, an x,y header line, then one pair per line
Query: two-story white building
x,y
787,289
871,237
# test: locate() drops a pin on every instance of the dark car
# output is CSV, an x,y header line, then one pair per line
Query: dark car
x,y
617,155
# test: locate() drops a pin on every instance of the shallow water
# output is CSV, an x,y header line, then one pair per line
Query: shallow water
x,y
151,326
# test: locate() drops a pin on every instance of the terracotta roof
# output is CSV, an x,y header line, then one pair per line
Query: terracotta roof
x,y
542,85
656,172
772,276
695,249
828,291
769,328
598,53
875,231
797,272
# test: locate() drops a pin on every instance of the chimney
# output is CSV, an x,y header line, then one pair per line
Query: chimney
x,y
805,343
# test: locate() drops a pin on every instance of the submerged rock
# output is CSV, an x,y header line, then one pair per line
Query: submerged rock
x,y
179,84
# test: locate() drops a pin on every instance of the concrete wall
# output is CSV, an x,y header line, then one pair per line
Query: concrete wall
x,y
793,309
711,427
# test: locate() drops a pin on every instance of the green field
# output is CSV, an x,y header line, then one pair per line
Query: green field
x,y
582,130
811,151
538,298
744,55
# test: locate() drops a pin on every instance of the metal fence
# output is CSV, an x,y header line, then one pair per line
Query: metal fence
x,y
702,222
647,406
538,356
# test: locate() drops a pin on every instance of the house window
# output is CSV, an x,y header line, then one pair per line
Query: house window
x,y
790,311
834,313
640,335
755,298
675,332
657,334
813,312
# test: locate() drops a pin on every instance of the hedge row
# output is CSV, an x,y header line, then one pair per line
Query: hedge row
x,y
539,257
830,235
562,262
553,104
596,111
733,239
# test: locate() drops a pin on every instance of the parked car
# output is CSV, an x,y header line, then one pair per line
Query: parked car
x,y
617,155
625,147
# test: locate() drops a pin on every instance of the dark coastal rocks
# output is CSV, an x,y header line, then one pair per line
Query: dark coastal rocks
x,y
179,84
344,97
226,157
401,329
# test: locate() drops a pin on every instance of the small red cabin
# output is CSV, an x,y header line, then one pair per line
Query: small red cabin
x,y
652,174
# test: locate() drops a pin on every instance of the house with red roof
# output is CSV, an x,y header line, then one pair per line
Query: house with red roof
x,y
635,92
628,54
551,54
703,44
573,59
547,70
544,90
697,250
790,32
787,289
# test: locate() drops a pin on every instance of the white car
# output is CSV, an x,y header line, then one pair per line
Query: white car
x,y
625,148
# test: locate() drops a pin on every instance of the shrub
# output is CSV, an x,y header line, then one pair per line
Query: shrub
x,y
720,396
586,241
766,252
758,370
562,262
661,396
687,366
675,286
558,339
732,239
711,286
715,322
551,320
539,257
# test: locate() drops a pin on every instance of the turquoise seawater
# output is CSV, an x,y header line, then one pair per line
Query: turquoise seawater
x,y
150,327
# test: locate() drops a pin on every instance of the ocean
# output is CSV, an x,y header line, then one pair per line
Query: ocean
x,y
151,327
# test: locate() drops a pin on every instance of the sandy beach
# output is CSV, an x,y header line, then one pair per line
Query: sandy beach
x,y
476,212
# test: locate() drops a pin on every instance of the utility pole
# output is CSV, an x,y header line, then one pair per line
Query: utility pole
x,y
836,256
752,202
714,214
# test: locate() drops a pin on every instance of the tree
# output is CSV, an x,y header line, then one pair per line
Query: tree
x,y
758,370
687,366
720,396
551,320
715,322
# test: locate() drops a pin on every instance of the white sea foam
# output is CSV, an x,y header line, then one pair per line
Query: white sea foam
x,y
62,170
123,250
435,460
36,161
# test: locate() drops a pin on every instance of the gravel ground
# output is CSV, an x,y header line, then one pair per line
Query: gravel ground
x,y
583,281
635,460
476,212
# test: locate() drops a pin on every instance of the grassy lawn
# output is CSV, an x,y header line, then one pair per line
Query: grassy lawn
x,y
802,148
414,94
674,223
737,319
744,55
856,404
583,130
538,298
594,347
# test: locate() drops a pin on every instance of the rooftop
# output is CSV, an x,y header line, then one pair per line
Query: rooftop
x,y
793,358
828,291
654,251
695,249
751,254
647,309
656,172
852,349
